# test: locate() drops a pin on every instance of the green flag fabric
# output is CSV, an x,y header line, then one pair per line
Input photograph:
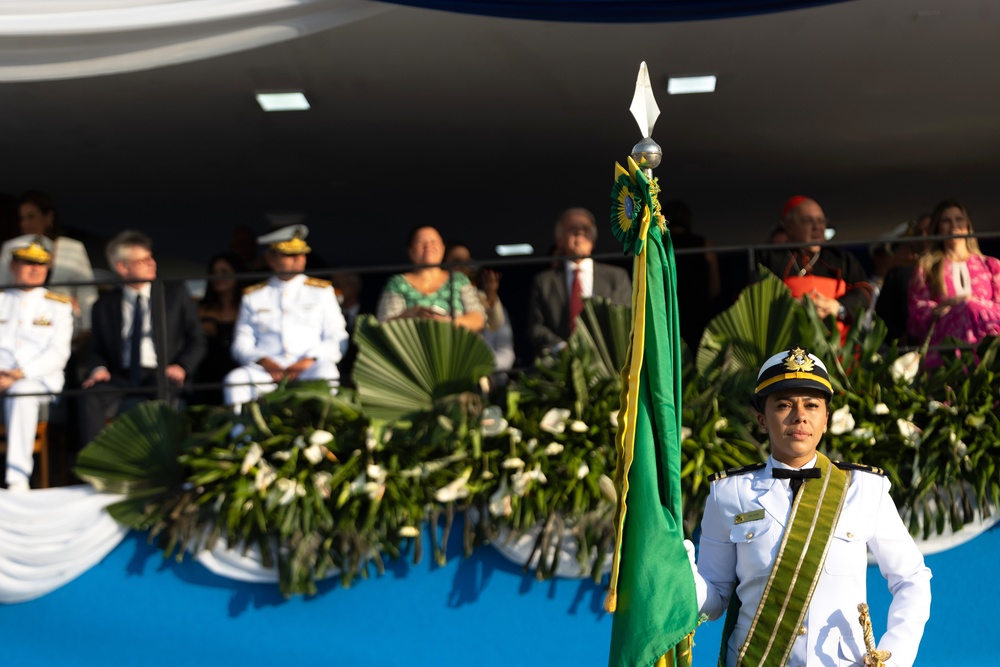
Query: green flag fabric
x,y
652,591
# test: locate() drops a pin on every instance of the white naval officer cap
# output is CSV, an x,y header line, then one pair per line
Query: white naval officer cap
x,y
290,240
795,368
32,248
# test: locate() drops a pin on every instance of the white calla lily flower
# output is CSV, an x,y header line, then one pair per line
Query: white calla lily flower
x,y
905,368
607,486
313,454
454,490
253,455
265,477
554,421
492,422
499,503
841,421
286,488
553,449
910,432
319,437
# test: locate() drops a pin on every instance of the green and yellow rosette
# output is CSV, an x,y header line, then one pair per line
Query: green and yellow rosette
x,y
634,204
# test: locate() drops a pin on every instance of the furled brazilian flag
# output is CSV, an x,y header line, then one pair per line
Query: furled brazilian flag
x,y
652,591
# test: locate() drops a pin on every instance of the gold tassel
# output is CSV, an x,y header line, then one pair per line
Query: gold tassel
x,y
874,657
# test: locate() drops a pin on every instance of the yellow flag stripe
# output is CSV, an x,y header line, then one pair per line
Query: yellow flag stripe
x,y
625,439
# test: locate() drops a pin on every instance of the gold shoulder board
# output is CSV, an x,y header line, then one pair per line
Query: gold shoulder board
x,y
318,282
254,288
722,474
56,296
843,465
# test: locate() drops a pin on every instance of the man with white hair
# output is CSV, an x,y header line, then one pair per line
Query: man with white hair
x,y
290,327
558,293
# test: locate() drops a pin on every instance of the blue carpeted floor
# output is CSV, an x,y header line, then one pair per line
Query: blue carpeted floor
x,y
137,609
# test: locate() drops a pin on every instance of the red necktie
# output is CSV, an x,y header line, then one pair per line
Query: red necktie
x,y
575,299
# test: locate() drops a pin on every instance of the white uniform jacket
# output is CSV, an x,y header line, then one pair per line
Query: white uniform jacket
x,y
742,554
36,328
290,320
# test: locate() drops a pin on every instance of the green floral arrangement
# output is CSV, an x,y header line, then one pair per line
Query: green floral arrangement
x,y
323,485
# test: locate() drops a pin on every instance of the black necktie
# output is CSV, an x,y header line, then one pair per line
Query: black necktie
x,y
795,477
135,342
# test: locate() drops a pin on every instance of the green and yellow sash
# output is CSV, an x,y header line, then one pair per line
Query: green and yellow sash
x,y
796,570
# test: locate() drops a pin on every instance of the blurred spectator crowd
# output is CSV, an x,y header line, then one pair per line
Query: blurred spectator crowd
x,y
86,348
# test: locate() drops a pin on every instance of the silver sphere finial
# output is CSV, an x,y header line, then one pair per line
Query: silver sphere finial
x,y
647,154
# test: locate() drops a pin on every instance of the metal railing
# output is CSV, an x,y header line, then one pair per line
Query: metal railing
x,y
165,391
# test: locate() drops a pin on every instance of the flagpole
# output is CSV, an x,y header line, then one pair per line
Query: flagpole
x,y
651,588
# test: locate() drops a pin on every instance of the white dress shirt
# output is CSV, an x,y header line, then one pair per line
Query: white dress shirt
x,y
586,269
147,350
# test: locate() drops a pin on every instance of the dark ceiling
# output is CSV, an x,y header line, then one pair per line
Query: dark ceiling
x,y
489,127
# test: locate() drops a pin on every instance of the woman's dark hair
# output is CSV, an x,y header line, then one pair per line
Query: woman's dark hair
x,y
211,298
44,204
413,233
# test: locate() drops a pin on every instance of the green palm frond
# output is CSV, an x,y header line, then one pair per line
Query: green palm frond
x,y
404,365
137,454
602,337
762,321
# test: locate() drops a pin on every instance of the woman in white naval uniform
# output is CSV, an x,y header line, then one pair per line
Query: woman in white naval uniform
x,y
36,327
289,327
747,517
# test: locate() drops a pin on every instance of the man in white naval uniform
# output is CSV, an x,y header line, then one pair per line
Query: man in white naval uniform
x,y
36,329
790,539
289,327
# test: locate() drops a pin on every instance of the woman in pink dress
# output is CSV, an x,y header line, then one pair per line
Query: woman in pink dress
x,y
955,288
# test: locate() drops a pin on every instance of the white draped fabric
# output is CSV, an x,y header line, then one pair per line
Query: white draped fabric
x,y
48,537
63,39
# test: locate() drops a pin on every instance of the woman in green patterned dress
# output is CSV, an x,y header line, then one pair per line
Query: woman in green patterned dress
x,y
429,290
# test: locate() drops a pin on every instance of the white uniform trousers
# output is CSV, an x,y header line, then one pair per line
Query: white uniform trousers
x,y
246,383
21,413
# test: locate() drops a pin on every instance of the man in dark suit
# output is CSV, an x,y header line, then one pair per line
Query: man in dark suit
x,y
125,352
558,293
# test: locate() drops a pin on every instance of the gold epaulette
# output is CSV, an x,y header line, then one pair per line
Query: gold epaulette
x,y
318,282
56,296
254,288
722,474
844,465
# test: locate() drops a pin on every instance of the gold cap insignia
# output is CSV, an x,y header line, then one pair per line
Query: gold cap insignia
x,y
34,252
798,361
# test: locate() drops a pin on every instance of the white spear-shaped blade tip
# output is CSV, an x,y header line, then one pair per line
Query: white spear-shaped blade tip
x,y
644,104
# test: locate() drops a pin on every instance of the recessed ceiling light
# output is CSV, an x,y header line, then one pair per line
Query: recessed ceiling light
x,y
514,249
683,85
295,101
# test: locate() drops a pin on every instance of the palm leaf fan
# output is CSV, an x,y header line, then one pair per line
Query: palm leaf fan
x,y
602,335
137,454
759,324
404,365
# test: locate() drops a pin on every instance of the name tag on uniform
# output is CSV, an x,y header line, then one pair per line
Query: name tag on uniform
x,y
756,515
